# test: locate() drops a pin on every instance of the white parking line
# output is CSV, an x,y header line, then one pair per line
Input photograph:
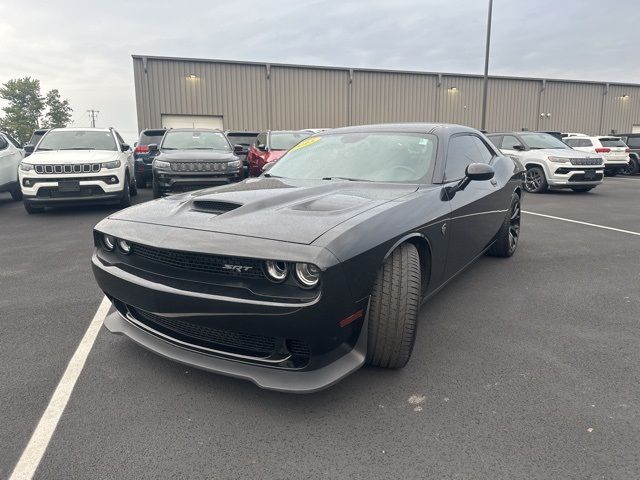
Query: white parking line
x,y
34,451
583,223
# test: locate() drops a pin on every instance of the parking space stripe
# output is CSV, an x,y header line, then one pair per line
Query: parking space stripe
x,y
35,449
629,232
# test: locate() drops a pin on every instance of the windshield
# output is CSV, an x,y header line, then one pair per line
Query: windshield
x,y
543,140
284,141
78,140
244,139
378,157
612,142
148,137
195,140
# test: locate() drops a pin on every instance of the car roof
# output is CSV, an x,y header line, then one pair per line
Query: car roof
x,y
80,129
195,130
240,132
403,127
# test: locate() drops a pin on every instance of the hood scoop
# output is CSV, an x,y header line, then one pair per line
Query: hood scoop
x,y
214,206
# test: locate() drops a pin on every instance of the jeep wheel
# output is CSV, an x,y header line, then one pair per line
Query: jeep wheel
x,y
535,181
156,189
507,239
31,209
16,194
133,188
126,193
393,312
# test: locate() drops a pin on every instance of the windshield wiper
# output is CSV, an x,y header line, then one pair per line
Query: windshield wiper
x,y
268,175
78,148
346,178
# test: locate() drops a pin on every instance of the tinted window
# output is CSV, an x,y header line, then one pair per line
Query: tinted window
x,y
261,139
77,140
484,150
284,141
612,142
241,138
633,142
195,140
35,138
509,141
377,157
542,140
578,142
147,137
495,139
3,142
462,151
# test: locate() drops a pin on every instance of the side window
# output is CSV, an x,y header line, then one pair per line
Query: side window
x,y
483,149
3,142
496,140
261,139
120,140
509,141
571,142
462,151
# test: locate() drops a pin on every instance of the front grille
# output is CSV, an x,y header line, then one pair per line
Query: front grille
x,y
216,207
260,347
200,262
53,192
75,168
586,161
198,166
579,177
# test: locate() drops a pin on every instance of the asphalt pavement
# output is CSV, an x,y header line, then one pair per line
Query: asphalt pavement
x,y
525,367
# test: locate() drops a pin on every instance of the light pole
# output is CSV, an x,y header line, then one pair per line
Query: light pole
x,y
485,85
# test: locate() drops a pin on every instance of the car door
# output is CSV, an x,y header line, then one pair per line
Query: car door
x,y
10,158
511,146
477,211
126,156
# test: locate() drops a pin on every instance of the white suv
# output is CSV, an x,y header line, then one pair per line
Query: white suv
x,y
550,162
10,156
612,149
78,165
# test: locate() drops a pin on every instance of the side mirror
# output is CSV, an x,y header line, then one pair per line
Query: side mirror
x,y
29,148
479,171
238,149
262,147
124,147
518,148
153,147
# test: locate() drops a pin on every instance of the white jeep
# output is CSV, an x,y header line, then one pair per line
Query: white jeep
x,y
78,166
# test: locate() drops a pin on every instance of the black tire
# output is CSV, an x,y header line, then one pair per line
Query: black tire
x,y
582,189
610,173
633,168
156,190
535,181
31,209
141,182
126,193
393,311
133,187
506,241
16,194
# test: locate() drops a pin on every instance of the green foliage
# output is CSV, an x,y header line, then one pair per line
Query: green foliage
x,y
58,111
24,112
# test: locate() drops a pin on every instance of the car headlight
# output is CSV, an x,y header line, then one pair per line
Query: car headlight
x,y
26,167
234,164
276,271
161,164
307,274
108,242
559,160
112,164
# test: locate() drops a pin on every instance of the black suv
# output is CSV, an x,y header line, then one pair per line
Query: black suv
x,y
633,142
143,157
194,158
245,139
33,141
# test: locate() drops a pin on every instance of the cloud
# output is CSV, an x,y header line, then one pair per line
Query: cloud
x,y
84,49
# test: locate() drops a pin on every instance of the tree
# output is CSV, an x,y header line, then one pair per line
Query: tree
x,y
58,111
24,109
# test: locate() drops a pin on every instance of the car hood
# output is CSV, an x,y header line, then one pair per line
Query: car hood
x,y
195,156
563,153
68,157
270,208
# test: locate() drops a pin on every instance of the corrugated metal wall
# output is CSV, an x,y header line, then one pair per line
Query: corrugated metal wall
x,y
252,96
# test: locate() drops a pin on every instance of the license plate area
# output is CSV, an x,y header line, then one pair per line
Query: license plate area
x,y
589,175
69,186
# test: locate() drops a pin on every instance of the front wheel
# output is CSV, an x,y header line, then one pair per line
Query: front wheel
x,y
126,193
507,239
16,194
393,312
133,187
535,180
156,190
31,209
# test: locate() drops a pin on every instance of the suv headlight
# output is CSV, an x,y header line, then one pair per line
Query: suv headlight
x,y
559,160
161,164
234,164
112,164
26,167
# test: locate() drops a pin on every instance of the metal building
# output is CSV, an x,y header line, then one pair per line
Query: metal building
x,y
174,92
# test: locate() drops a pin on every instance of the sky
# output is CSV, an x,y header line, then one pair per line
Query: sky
x,y
84,48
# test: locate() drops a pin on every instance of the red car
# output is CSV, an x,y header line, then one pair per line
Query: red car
x,y
270,146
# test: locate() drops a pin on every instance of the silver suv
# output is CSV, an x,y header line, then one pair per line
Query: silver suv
x,y
550,163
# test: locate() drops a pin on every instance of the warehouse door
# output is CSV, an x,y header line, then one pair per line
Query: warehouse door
x,y
635,129
191,121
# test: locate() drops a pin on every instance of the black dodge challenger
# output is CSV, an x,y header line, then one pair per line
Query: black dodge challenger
x,y
297,278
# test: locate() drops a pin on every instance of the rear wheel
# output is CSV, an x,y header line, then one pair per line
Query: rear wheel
x,y
582,189
509,233
16,194
133,188
31,209
535,180
633,168
393,311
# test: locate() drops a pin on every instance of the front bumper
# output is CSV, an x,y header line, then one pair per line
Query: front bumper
x,y
160,312
573,176
44,189
169,182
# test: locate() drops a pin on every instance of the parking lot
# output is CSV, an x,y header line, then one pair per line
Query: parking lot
x,y
523,368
